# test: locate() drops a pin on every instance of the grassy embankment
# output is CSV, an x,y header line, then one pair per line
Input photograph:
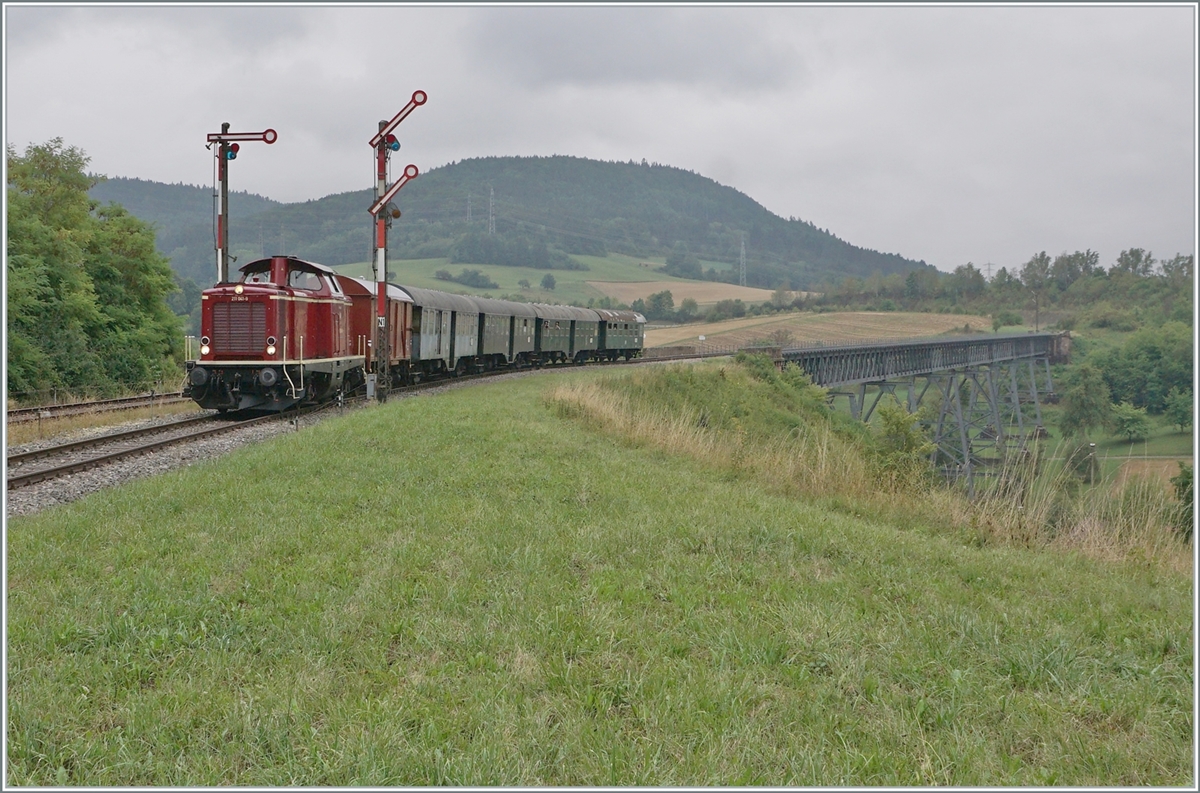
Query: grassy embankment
x,y
517,599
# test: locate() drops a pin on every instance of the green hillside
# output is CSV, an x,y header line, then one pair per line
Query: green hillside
x,y
547,211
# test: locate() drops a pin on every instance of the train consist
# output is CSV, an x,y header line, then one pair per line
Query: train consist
x,y
293,332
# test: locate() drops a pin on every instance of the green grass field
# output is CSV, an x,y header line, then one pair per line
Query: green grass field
x,y
570,288
470,589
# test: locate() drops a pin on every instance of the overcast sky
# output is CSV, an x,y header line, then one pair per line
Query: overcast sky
x,y
982,134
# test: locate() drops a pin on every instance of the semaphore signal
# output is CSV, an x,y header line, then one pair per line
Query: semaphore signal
x,y
383,212
228,146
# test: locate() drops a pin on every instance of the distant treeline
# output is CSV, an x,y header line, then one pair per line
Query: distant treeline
x,y
1072,288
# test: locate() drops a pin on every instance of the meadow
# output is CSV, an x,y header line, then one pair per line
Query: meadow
x,y
571,286
496,585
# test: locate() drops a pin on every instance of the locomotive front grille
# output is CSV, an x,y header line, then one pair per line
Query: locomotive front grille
x,y
239,328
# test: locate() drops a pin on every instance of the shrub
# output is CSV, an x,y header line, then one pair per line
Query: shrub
x,y
1183,492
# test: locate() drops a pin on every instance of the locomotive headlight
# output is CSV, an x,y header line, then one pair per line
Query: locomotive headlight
x,y
238,289
204,349
270,349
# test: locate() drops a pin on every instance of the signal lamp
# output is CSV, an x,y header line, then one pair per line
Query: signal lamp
x,y
393,210
392,143
231,152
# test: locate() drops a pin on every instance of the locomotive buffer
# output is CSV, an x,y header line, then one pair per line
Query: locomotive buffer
x,y
384,143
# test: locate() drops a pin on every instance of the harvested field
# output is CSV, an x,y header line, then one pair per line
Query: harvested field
x,y
802,328
1147,467
703,292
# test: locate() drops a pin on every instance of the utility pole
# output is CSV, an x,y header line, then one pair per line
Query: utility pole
x,y
491,210
384,143
227,149
743,260
468,209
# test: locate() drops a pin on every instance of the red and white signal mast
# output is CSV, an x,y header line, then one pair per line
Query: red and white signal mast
x,y
384,212
229,144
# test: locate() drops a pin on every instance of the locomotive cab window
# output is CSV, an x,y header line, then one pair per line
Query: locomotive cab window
x,y
333,285
303,279
262,276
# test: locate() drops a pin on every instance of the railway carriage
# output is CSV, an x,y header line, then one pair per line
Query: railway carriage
x,y
566,333
445,332
363,318
505,335
622,333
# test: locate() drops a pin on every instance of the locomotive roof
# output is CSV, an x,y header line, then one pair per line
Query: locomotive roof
x,y
546,311
442,300
394,292
320,268
490,305
615,315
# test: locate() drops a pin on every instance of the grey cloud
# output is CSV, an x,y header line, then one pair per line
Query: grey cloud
x,y
614,46
222,28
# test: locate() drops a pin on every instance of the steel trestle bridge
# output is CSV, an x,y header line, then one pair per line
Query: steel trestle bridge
x,y
981,396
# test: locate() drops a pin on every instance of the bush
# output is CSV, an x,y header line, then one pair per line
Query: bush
x,y
1183,491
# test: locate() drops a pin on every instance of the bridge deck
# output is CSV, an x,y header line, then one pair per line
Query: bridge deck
x,y
852,364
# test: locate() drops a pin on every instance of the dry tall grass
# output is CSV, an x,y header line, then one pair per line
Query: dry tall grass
x,y
1026,506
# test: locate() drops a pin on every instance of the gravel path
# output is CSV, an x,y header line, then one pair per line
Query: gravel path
x,y
34,498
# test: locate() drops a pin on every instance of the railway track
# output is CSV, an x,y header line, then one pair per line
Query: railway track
x,y
69,458
21,415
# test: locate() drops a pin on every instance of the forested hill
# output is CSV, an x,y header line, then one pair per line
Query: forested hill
x,y
548,206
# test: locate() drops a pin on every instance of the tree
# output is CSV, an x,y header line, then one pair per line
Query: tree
x,y
523,283
1179,408
688,308
1086,403
87,289
548,281
660,305
682,263
1135,261
1069,268
1130,422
